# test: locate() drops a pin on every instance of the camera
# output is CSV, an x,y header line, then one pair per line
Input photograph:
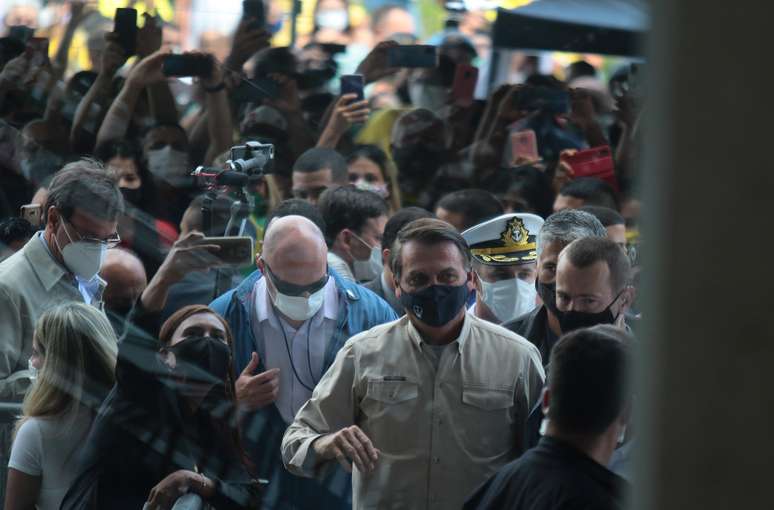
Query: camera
x,y
252,158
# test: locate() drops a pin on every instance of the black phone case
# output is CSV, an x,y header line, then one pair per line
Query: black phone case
x,y
126,28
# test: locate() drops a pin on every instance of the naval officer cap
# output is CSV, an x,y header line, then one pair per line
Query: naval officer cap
x,y
506,240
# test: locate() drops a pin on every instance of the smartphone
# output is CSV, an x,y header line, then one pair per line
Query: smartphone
x,y
547,99
32,213
255,91
353,84
187,65
125,25
417,55
234,251
21,33
464,84
596,162
524,147
333,48
254,9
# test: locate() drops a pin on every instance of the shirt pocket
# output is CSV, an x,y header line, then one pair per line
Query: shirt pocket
x,y
389,408
487,420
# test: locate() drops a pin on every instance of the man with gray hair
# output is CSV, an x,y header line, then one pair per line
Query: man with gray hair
x,y
59,264
289,319
541,326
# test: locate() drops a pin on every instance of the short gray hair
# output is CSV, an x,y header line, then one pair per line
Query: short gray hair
x,y
568,225
85,184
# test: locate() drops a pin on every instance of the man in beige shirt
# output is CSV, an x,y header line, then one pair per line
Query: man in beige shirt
x,y
427,407
57,265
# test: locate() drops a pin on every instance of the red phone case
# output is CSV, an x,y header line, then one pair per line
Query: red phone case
x,y
524,146
595,162
465,78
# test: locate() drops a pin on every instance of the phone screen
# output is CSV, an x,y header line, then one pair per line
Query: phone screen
x,y
125,25
234,251
187,65
352,84
254,9
412,56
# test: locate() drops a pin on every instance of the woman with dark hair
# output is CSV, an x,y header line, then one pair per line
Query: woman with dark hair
x,y
140,228
370,169
169,427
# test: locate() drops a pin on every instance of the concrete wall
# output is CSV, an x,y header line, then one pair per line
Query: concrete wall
x,y
707,372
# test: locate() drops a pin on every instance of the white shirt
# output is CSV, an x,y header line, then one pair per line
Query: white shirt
x,y
46,448
306,346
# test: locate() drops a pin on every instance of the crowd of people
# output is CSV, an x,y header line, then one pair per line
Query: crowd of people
x,y
437,311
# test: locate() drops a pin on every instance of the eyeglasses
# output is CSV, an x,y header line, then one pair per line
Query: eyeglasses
x,y
111,242
291,289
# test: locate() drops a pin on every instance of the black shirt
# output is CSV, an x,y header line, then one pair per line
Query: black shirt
x,y
551,476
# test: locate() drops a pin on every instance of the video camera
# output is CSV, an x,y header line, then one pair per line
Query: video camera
x,y
247,163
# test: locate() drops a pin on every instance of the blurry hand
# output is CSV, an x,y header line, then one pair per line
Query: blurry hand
x,y
507,110
148,70
187,254
164,495
350,444
256,391
563,173
374,66
248,41
149,36
14,71
348,111
113,56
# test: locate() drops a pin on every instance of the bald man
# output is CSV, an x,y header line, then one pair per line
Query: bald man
x,y
289,319
126,279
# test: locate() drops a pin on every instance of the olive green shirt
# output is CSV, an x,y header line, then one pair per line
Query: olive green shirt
x,y
441,432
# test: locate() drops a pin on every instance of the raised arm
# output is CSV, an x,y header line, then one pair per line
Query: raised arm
x,y
146,72
220,127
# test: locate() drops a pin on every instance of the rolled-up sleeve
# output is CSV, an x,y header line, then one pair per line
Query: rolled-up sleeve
x,y
331,408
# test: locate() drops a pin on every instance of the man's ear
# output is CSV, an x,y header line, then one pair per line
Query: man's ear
x,y
472,281
386,257
260,264
477,283
53,217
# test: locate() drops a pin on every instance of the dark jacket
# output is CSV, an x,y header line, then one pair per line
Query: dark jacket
x,y
534,327
551,476
359,310
143,432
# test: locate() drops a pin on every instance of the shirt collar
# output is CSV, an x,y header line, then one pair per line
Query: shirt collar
x,y
416,337
46,267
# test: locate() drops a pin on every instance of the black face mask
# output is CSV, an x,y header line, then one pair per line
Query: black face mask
x,y
202,364
547,293
572,320
132,196
435,305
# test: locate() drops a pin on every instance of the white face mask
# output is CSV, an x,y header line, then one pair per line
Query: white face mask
x,y
379,189
83,259
169,165
298,308
424,95
508,299
370,268
333,20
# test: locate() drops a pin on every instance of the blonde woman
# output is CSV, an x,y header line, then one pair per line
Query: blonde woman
x,y
74,351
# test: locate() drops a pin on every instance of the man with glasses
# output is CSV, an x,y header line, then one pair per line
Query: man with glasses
x,y
289,320
59,264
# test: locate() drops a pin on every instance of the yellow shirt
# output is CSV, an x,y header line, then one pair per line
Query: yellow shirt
x,y
441,432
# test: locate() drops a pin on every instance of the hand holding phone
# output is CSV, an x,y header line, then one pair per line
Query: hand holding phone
x,y
595,162
352,84
233,252
254,9
524,148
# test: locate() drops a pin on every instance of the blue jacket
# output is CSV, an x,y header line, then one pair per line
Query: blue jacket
x,y
359,310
